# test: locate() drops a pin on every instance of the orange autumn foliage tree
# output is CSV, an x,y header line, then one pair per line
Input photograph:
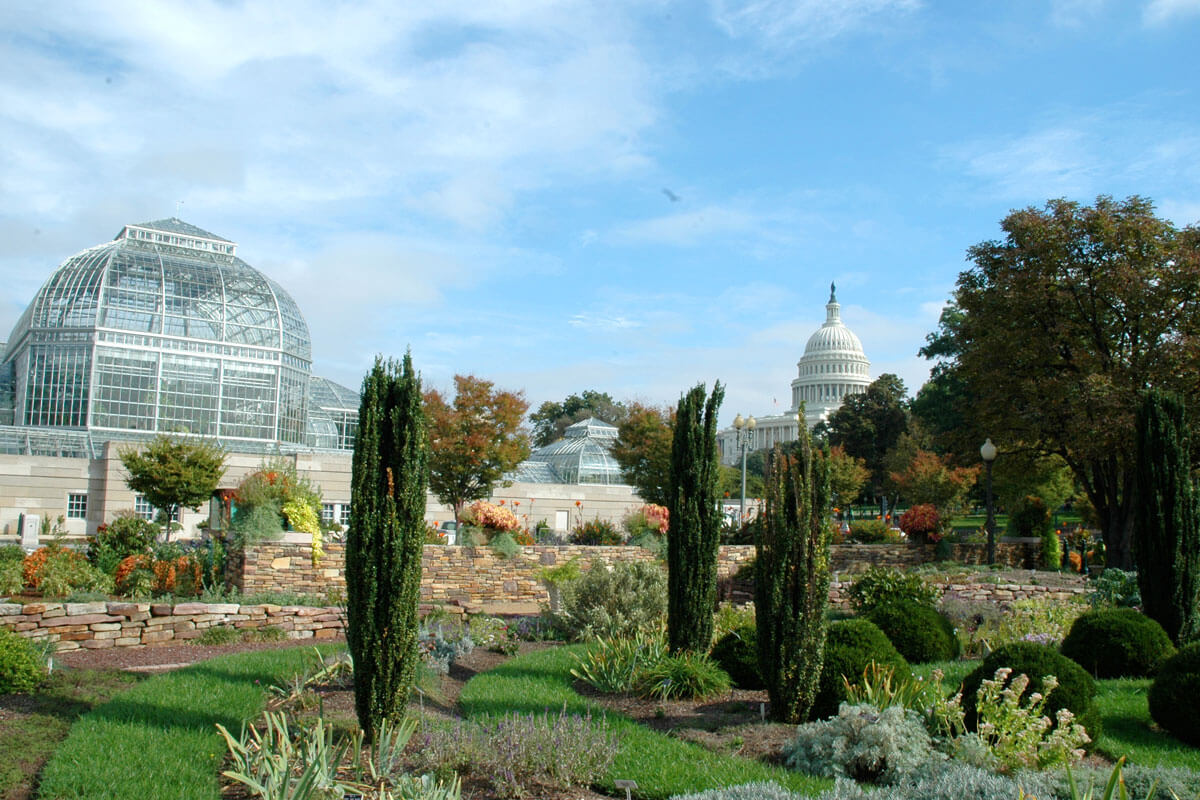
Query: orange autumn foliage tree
x,y
473,440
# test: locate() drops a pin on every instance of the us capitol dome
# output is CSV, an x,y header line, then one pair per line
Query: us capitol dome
x,y
832,368
165,330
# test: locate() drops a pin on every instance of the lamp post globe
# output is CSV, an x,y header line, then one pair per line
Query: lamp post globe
x,y
988,453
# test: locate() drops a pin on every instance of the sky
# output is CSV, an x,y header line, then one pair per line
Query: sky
x,y
630,197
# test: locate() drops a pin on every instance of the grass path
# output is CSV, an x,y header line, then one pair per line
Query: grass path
x,y
662,766
158,740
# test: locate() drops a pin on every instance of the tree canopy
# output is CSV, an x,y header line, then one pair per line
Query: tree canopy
x,y
552,419
643,449
867,425
1059,327
174,473
474,440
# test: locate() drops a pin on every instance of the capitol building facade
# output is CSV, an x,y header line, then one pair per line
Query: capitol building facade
x,y
832,368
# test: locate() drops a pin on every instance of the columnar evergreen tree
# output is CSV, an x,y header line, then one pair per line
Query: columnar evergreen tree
x,y
695,526
791,578
385,540
1166,542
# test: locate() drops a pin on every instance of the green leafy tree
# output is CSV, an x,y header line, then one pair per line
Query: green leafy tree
x,y
174,473
552,419
474,440
695,527
729,484
1167,544
791,578
847,476
868,425
1061,324
1025,473
385,541
643,449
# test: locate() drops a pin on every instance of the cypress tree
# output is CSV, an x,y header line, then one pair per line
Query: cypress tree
x,y
1166,542
791,578
695,522
385,541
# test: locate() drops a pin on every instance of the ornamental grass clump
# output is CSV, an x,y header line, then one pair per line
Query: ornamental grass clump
x,y
612,666
680,676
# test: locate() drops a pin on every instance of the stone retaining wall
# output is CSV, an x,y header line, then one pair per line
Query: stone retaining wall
x,y
1002,594
96,625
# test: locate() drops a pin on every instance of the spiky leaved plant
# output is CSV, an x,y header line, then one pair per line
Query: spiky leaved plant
x,y
1166,541
791,578
385,541
695,522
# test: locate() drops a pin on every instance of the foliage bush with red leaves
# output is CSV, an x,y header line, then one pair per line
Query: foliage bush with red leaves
x,y
922,520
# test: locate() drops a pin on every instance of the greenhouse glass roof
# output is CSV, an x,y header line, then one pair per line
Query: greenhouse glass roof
x,y
583,455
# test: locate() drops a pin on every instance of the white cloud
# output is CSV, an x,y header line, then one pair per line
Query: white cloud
x,y
1161,12
1047,163
789,23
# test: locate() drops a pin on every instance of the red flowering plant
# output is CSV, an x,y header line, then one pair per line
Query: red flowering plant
x,y
922,520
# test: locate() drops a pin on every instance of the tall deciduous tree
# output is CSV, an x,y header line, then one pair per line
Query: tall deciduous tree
x,y
174,473
474,440
385,541
791,578
867,425
1062,324
847,476
552,419
928,478
1167,543
643,449
695,530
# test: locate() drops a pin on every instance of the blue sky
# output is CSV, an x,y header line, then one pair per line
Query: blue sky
x,y
628,197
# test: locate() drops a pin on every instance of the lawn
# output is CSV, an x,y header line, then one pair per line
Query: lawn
x,y
662,766
159,739
33,726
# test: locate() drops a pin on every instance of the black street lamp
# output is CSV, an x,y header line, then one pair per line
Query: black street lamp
x,y
988,454
745,438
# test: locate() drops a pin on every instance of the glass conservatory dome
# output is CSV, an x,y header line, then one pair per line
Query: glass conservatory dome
x,y
581,456
163,329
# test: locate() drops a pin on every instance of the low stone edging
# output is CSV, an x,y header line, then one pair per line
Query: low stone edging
x,y
114,624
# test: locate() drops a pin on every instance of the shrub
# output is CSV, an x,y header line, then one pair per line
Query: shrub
x,y
921,520
35,562
518,754
60,577
217,635
617,601
919,632
127,535
880,585
1117,643
1050,556
12,581
968,617
21,669
681,675
440,645
951,780
491,517
143,575
1030,518
737,653
504,545
759,790
872,531
1115,588
729,617
1038,619
597,532
862,743
1076,690
11,554
850,646
1173,695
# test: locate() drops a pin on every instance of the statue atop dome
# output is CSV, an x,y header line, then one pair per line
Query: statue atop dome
x,y
832,292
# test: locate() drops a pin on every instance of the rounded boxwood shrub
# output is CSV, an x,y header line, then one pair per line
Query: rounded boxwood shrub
x,y
1173,695
881,585
737,653
21,669
851,645
1117,643
919,632
1076,691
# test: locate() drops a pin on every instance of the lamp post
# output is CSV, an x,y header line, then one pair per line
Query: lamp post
x,y
745,437
988,454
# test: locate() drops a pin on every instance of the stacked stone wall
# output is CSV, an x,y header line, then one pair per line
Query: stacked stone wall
x,y
72,626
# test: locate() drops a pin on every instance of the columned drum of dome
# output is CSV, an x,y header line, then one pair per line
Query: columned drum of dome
x,y
163,329
832,367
